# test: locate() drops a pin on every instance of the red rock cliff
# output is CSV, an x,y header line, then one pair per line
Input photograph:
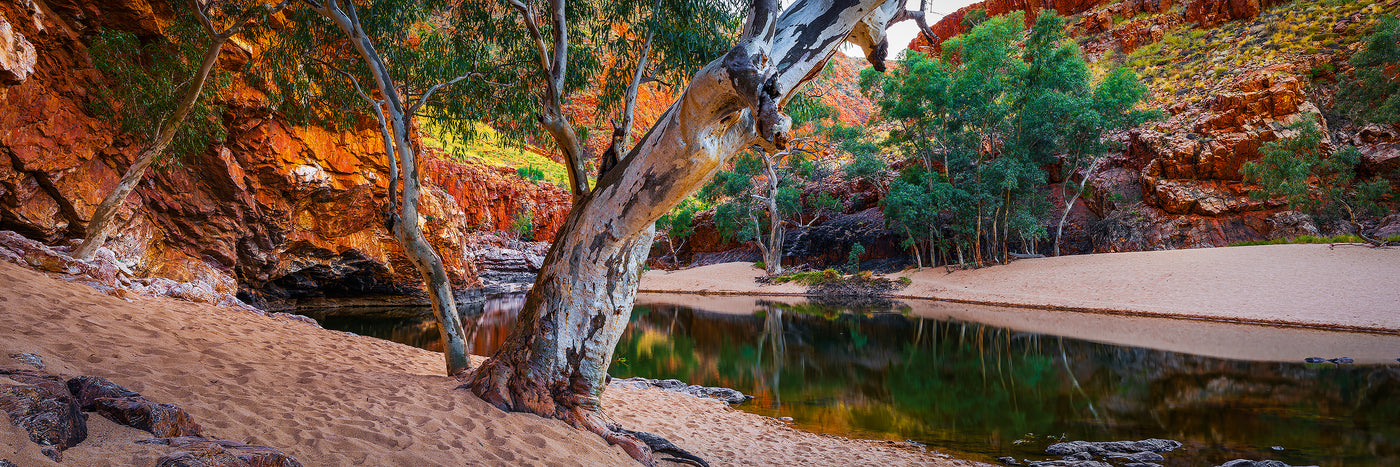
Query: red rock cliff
x,y
287,210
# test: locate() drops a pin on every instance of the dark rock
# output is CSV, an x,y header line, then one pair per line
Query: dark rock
x,y
1291,224
1142,464
672,385
30,359
1314,360
1388,227
1066,463
1008,460
7,463
1112,447
44,408
1144,456
164,420
1079,456
1250,463
196,451
52,453
90,388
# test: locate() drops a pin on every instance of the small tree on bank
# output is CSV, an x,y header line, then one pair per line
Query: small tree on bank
x,y
142,97
1298,172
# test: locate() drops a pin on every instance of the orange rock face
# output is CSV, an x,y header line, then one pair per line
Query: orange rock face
x,y
281,210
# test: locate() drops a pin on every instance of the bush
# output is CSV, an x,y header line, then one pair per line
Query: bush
x,y
853,258
530,173
524,225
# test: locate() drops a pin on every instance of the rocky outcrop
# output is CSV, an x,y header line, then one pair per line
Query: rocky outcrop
x,y
201,452
51,409
1208,13
279,210
41,405
674,385
498,195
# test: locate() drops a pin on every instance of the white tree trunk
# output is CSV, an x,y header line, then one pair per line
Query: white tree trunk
x,y
556,358
406,228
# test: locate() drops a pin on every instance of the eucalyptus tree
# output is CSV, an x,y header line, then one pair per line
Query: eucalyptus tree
x,y
144,92
555,360
402,60
663,42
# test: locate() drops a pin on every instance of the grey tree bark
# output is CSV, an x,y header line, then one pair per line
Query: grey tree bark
x,y
555,360
100,226
406,227
554,63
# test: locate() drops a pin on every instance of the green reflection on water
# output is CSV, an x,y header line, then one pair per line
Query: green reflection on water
x,y
978,390
988,391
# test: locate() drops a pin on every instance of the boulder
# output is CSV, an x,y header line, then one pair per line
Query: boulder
x,y
88,389
201,452
41,405
16,55
163,420
1291,224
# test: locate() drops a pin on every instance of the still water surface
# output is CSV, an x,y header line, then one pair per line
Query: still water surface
x,y
986,382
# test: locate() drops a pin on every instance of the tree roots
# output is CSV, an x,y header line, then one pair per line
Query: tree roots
x,y
641,445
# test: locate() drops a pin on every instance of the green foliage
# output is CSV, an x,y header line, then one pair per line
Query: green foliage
x,y
853,258
978,124
145,79
1297,172
1309,239
678,224
824,276
485,145
530,173
688,34
524,225
1371,92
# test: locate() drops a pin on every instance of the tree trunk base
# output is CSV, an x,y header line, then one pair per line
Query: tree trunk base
x,y
642,446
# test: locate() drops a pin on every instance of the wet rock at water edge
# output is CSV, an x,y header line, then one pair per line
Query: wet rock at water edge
x,y
673,385
1084,453
1112,447
1251,463
1008,460
1070,463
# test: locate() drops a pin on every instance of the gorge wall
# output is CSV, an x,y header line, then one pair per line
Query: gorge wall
x,y
1228,77
286,210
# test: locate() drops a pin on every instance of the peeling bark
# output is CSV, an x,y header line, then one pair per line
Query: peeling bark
x,y
555,360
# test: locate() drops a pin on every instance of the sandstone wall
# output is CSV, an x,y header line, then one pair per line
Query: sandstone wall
x,y
286,210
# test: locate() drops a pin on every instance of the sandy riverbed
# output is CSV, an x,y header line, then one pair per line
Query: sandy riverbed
x,y
1346,287
331,399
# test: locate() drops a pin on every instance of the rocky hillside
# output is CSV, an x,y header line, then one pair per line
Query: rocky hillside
x,y
286,210
1229,75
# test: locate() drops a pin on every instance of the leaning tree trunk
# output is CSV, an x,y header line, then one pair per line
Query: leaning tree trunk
x,y
555,360
406,228
100,226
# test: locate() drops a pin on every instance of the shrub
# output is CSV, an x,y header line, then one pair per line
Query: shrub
x,y
524,225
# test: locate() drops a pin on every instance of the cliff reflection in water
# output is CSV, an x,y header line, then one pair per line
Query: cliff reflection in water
x,y
981,390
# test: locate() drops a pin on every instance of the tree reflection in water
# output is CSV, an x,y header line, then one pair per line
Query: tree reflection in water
x,y
980,390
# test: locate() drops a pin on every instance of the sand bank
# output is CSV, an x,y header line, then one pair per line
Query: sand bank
x,y
332,399
1347,287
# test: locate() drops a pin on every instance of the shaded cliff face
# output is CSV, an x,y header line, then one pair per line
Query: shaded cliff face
x,y
286,210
